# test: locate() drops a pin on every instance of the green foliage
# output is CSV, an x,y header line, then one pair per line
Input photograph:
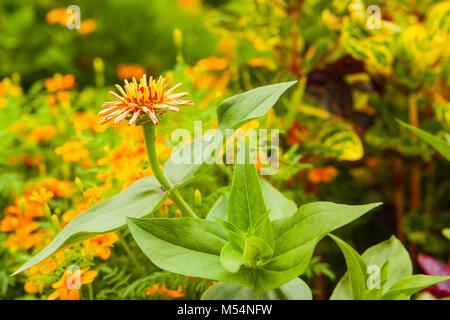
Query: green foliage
x,y
383,272
439,145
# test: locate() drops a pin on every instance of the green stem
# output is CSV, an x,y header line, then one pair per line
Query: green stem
x,y
149,134
123,243
91,292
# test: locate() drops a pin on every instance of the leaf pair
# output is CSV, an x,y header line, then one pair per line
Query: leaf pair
x,y
383,272
249,229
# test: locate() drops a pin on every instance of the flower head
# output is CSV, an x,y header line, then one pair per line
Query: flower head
x,y
146,97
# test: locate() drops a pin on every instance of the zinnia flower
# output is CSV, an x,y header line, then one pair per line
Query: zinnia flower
x,y
146,97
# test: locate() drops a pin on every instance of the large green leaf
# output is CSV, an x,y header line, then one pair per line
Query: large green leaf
x,y
356,267
185,162
293,290
313,220
399,265
246,208
138,200
411,285
187,246
278,204
219,209
189,159
239,109
297,236
439,145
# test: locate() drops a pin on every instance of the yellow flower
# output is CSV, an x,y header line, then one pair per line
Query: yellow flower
x,y
66,289
150,98
72,151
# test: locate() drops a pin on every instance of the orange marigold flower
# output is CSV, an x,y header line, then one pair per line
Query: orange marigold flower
x,y
149,97
212,64
152,289
165,291
70,214
41,196
66,287
171,294
325,174
99,246
58,15
86,120
60,82
87,26
72,151
41,134
30,287
61,188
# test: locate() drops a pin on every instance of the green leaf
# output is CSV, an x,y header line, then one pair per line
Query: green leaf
x,y
185,162
357,268
138,200
446,233
411,285
236,237
256,248
439,145
239,109
187,246
228,291
391,250
297,236
219,209
277,203
293,290
188,160
230,258
314,220
246,202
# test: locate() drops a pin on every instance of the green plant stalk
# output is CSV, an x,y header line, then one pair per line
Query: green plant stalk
x,y
149,134
91,292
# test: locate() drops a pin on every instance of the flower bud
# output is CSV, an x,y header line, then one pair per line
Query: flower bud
x,y
197,198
